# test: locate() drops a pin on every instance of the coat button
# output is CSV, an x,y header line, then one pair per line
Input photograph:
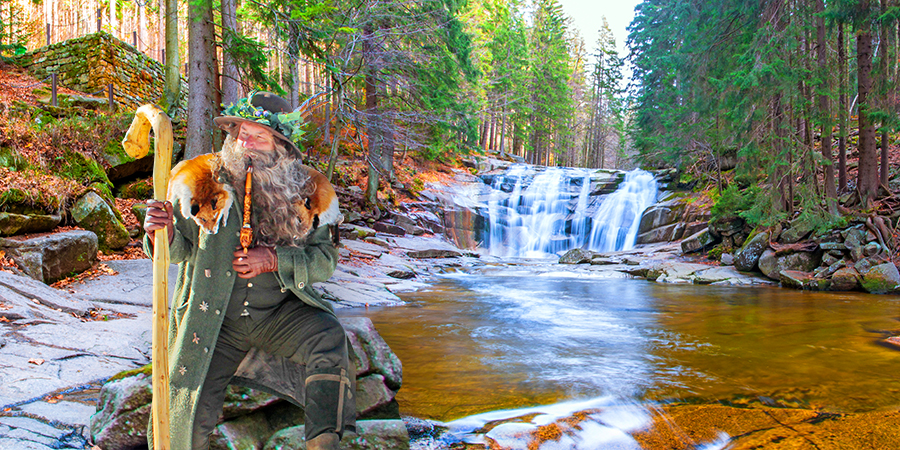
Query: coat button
x,y
205,349
246,303
228,273
207,272
218,312
301,285
249,285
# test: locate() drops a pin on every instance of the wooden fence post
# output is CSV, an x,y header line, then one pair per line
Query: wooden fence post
x,y
53,90
99,19
48,34
111,101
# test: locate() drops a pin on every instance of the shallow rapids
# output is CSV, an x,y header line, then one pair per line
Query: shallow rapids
x,y
479,347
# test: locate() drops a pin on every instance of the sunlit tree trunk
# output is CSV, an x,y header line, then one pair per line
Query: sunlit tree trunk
x,y
201,106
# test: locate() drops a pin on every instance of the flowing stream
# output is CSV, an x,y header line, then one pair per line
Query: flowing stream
x,y
507,342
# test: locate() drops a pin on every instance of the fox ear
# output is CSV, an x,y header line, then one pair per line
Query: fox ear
x,y
213,202
195,208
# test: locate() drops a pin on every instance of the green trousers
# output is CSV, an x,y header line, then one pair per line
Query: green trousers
x,y
306,335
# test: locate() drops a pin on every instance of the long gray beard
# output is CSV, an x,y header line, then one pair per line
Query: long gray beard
x,y
279,182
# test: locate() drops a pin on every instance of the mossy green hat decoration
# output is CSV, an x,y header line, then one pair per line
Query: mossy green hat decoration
x,y
268,110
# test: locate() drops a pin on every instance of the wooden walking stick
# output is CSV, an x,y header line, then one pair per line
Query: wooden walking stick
x,y
137,145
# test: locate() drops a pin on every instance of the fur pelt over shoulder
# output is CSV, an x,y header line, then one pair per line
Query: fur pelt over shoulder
x,y
196,185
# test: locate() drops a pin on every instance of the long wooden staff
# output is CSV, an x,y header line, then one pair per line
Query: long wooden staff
x,y
137,145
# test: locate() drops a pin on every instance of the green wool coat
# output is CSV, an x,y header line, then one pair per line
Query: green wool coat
x,y
202,291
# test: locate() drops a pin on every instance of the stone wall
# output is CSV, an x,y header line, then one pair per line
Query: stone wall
x,y
90,63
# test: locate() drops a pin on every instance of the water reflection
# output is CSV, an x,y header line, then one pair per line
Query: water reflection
x,y
477,343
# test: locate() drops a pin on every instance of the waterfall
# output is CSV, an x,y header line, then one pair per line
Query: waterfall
x,y
538,213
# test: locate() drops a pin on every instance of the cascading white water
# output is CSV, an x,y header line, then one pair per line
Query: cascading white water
x,y
534,213
616,223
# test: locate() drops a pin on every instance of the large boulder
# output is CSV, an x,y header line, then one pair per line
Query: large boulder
x,y
92,213
123,412
12,224
747,256
726,226
53,257
771,264
577,256
698,241
661,214
845,279
881,279
370,435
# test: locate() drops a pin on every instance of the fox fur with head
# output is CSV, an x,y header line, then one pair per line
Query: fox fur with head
x,y
321,207
203,198
196,184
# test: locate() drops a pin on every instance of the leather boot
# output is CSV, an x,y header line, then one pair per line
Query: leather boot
x,y
324,441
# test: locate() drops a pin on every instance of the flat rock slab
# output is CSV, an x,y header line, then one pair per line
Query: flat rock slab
x,y
133,284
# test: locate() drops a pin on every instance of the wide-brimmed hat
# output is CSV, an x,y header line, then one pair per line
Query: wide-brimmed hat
x,y
267,110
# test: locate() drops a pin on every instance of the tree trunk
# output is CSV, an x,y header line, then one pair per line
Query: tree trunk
x,y
503,133
842,110
867,178
231,84
372,126
201,106
824,113
172,90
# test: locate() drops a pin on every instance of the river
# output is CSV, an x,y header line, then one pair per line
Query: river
x,y
479,343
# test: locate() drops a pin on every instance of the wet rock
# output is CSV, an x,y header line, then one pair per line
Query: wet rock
x,y
13,224
53,257
370,435
727,259
401,274
697,241
714,275
797,280
604,261
674,272
434,253
747,256
771,265
845,279
389,228
881,279
92,213
576,256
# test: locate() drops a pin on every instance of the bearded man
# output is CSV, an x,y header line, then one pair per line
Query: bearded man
x,y
246,313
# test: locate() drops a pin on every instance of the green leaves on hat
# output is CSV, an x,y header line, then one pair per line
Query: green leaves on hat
x,y
290,125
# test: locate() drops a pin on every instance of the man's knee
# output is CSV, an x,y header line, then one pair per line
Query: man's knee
x,y
324,349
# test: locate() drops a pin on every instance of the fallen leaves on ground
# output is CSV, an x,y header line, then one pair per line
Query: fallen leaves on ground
x,y
53,398
7,264
99,314
91,274
36,361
